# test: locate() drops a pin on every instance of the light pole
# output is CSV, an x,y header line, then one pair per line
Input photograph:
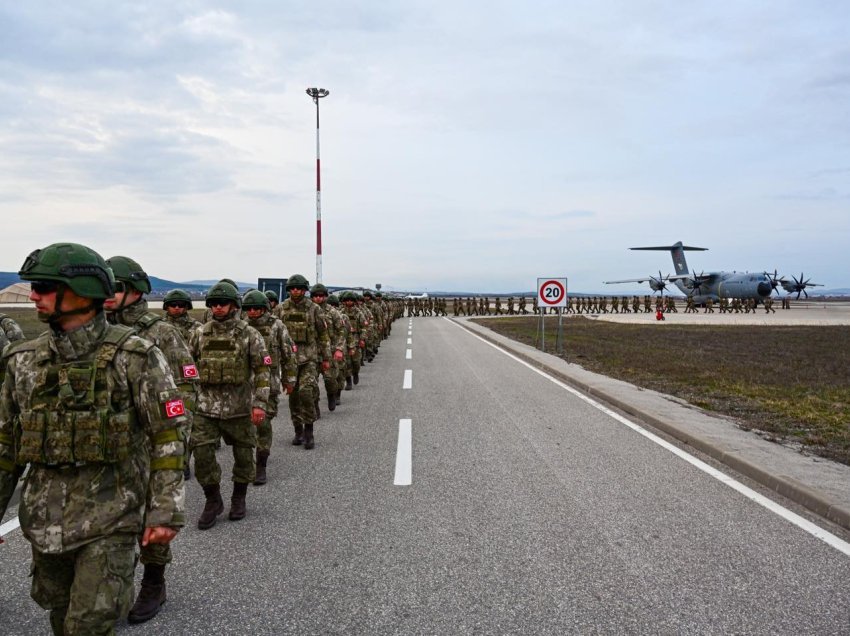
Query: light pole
x,y
316,94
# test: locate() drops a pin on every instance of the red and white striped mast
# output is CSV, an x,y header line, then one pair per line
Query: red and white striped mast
x,y
316,94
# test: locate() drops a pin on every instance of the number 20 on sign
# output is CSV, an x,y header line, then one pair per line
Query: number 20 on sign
x,y
552,292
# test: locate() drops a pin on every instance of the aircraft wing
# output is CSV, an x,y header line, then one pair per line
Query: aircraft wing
x,y
630,280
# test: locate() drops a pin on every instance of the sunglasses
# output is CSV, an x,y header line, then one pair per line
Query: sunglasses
x,y
218,303
120,287
178,305
42,287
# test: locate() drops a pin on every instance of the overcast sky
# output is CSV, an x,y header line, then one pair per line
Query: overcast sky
x,y
466,145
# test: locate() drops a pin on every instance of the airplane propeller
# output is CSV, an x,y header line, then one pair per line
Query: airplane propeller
x,y
696,283
800,285
775,281
659,284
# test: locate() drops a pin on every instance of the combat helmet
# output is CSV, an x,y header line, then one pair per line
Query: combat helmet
x,y
272,296
79,267
333,300
223,291
318,290
255,299
130,273
297,280
177,295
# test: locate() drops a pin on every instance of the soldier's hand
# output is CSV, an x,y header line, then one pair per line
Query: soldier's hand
x,y
257,416
326,365
289,388
362,344
339,356
158,534
351,352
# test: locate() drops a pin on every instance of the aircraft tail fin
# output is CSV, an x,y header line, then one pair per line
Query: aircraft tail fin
x,y
677,251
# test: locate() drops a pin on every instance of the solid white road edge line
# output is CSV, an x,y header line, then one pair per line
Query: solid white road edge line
x,y
792,517
9,526
404,454
408,379
409,354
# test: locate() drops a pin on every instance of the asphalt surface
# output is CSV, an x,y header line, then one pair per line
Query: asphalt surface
x,y
531,511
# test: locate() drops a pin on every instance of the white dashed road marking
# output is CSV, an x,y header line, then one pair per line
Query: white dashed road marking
x,y
408,379
409,354
404,454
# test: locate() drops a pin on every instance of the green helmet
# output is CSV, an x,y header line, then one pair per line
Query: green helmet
x,y
272,295
367,294
230,282
79,267
176,295
297,280
318,290
333,300
130,273
223,291
378,295
255,298
348,295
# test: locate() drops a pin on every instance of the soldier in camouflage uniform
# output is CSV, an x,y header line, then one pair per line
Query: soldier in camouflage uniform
x,y
335,375
274,299
94,411
310,334
176,305
233,399
128,307
10,331
351,343
359,327
283,369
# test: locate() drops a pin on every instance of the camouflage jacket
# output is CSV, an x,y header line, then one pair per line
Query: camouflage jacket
x,y
67,505
167,338
307,328
336,328
233,367
9,332
284,366
185,324
358,322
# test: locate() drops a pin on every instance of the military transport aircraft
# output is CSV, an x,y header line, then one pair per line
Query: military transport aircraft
x,y
715,285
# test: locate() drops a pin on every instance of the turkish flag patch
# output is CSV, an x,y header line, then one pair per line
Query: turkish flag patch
x,y
173,408
295,348
190,371
267,361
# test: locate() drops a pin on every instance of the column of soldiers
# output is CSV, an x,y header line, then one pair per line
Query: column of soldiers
x,y
103,407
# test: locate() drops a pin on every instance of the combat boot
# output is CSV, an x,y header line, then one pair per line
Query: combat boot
x,y
237,501
299,435
151,594
308,437
213,508
339,397
318,412
356,378
348,384
262,460
331,401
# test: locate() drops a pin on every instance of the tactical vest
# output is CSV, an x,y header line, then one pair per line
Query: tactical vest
x,y
296,324
265,329
72,419
147,321
223,359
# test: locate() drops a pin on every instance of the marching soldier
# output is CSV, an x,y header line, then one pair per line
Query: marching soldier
x,y
308,330
177,304
334,376
94,411
233,365
130,308
359,327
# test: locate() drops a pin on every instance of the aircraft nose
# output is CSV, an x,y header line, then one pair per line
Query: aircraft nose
x,y
764,289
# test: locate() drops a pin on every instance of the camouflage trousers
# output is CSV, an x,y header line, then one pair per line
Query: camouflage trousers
x,y
264,430
239,432
302,401
355,361
334,377
88,589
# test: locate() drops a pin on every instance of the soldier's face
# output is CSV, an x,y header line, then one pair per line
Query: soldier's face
x,y
176,310
255,312
221,309
318,298
45,301
123,297
297,293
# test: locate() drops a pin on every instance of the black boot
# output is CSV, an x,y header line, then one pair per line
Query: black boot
x,y
331,400
318,412
339,397
356,378
299,435
262,459
237,502
151,594
348,384
308,437
213,508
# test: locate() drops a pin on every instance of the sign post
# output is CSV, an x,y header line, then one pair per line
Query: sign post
x,y
551,292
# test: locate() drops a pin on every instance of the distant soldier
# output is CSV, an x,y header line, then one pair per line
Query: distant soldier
x,y
523,304
709,306
647,304
768,305
359,328
534,305
636,304
274,299
498,309
511,308
283,371
334,376
308,330
176,305
615,304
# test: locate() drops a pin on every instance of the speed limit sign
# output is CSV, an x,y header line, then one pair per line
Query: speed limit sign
x,y
552,292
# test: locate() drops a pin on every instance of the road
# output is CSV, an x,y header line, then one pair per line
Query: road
x,y
529,511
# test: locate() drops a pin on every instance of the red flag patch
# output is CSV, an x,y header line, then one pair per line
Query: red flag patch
x,y
173,408
190,371
267,361
294,348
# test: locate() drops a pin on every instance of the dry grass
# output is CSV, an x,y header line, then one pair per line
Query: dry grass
x,y
790,382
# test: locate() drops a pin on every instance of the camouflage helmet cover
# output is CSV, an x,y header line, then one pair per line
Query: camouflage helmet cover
x,y
130,272
79,267
223,291
177,295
